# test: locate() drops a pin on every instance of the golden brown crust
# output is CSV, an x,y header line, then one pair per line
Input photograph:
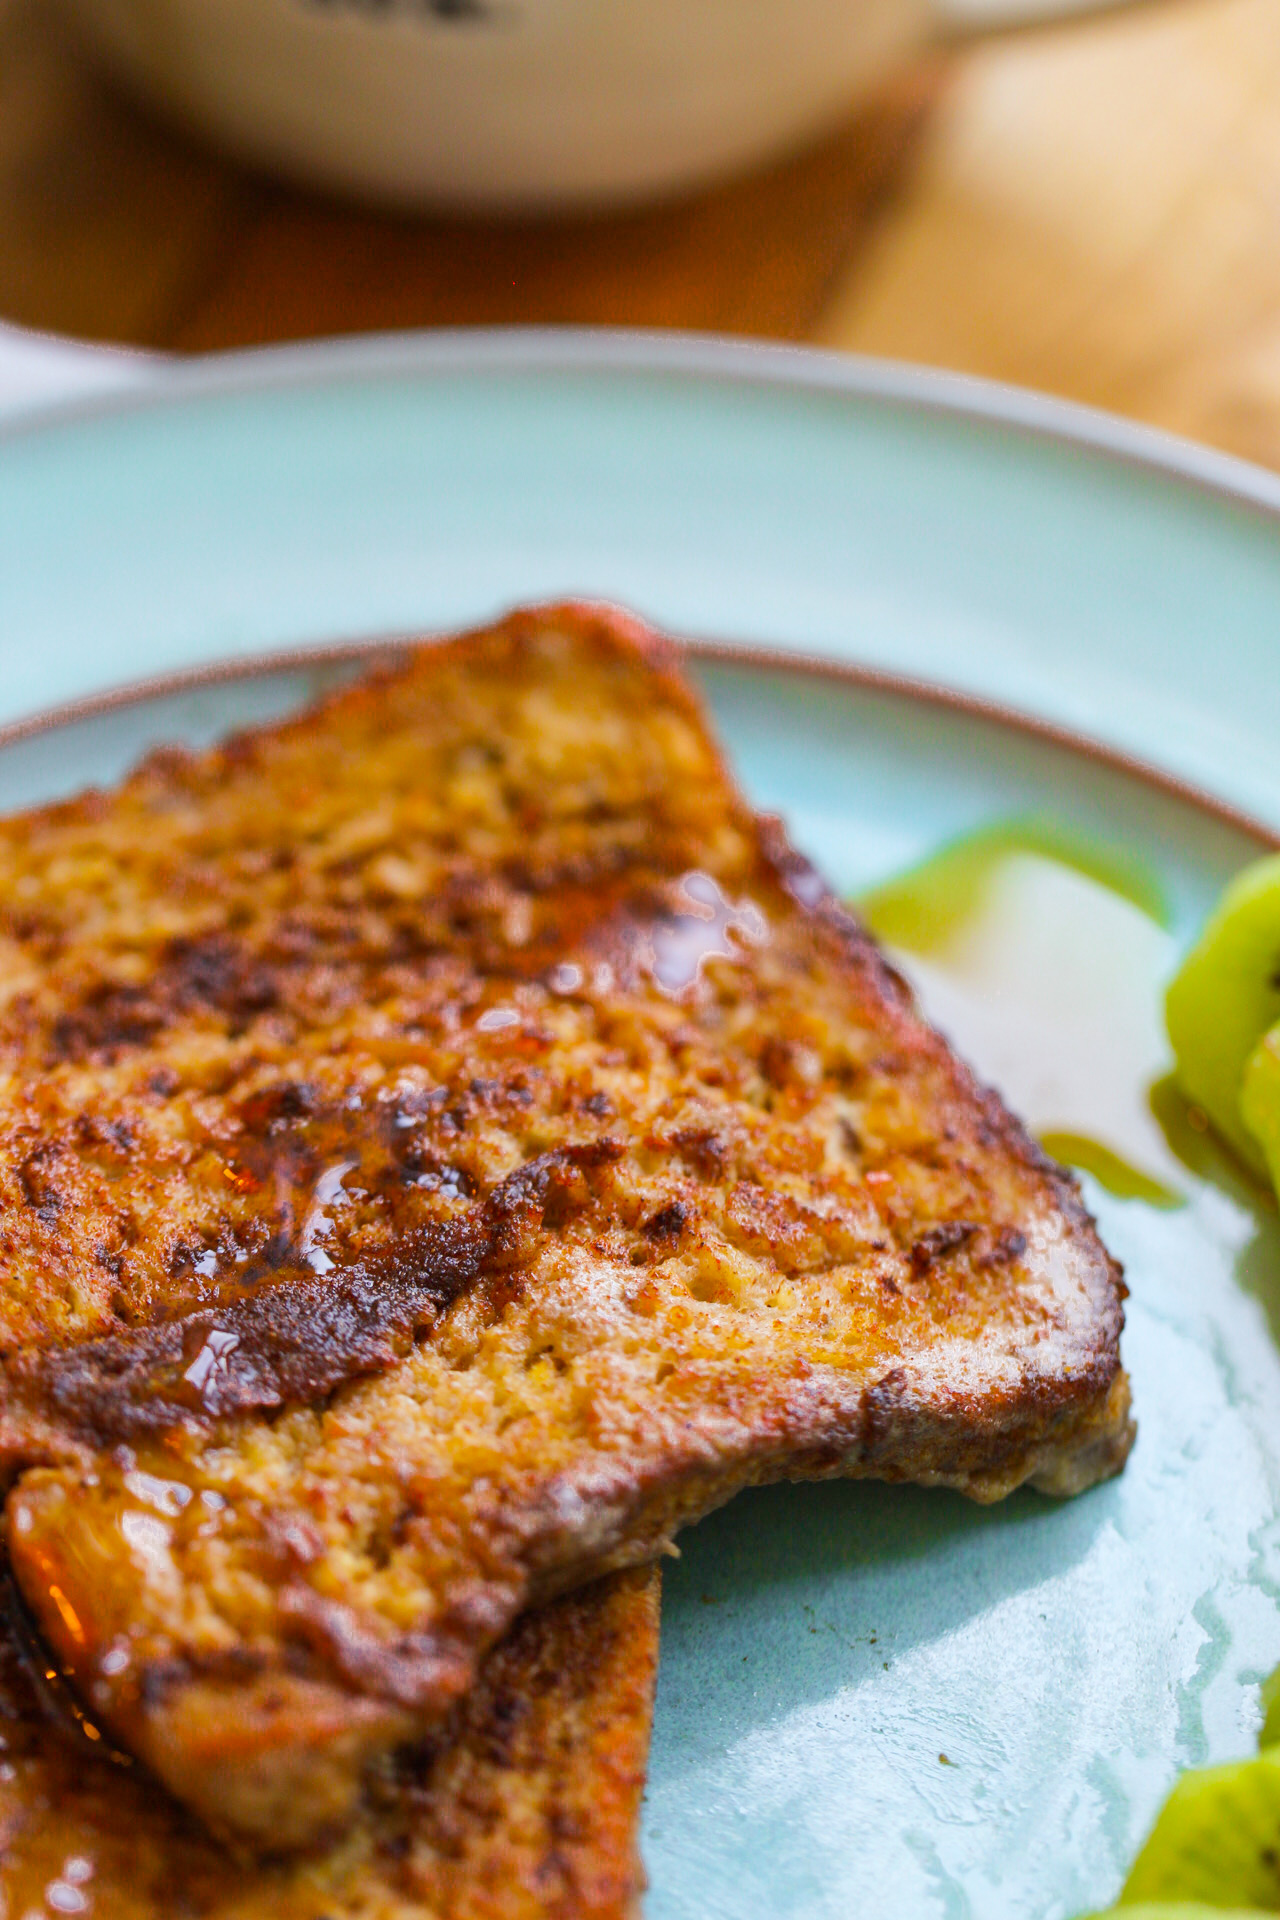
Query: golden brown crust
x,y
525,1808
449,1144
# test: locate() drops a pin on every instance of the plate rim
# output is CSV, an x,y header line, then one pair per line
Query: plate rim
x,y
638,352
385,649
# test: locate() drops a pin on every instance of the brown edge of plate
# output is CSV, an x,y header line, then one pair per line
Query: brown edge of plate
x,y
384,649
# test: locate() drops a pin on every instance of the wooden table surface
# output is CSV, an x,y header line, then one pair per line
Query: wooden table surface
x,y
1092,208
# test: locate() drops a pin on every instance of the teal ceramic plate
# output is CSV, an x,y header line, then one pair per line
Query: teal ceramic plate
x,y
872,1700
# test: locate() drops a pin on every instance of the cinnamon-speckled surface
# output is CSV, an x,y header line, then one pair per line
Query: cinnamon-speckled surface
x,y
446,1145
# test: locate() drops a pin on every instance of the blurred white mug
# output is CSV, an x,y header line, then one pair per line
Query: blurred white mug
x,y
504,104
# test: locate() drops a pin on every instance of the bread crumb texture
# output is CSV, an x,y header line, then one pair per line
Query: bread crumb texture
x,y
523,1807
448,1142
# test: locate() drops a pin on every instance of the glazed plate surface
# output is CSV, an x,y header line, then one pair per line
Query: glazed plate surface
x,y
871,1699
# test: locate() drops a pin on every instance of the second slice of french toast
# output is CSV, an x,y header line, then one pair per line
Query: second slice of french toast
x,y
524,1806
448,1143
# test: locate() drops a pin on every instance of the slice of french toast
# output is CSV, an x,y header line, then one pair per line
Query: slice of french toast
x,y
523,1807
448,1143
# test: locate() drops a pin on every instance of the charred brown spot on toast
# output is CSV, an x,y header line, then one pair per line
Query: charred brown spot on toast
x,y
299,1335
524,1152
938,1242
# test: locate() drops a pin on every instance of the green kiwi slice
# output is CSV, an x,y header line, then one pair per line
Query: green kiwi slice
x,y
1225,997
1260,1110
1269,1694
1177,1910
1216,1839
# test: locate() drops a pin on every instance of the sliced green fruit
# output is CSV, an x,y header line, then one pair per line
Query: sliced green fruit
x,y
1269,1732
1260,1111
1225,997
1117,1175
922,909
1216,1839
1177,1910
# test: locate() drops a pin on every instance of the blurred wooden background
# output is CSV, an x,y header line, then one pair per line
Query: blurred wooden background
x,y
1091,207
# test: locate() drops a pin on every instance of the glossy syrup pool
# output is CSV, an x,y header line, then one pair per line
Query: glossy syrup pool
x,y
884,1700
